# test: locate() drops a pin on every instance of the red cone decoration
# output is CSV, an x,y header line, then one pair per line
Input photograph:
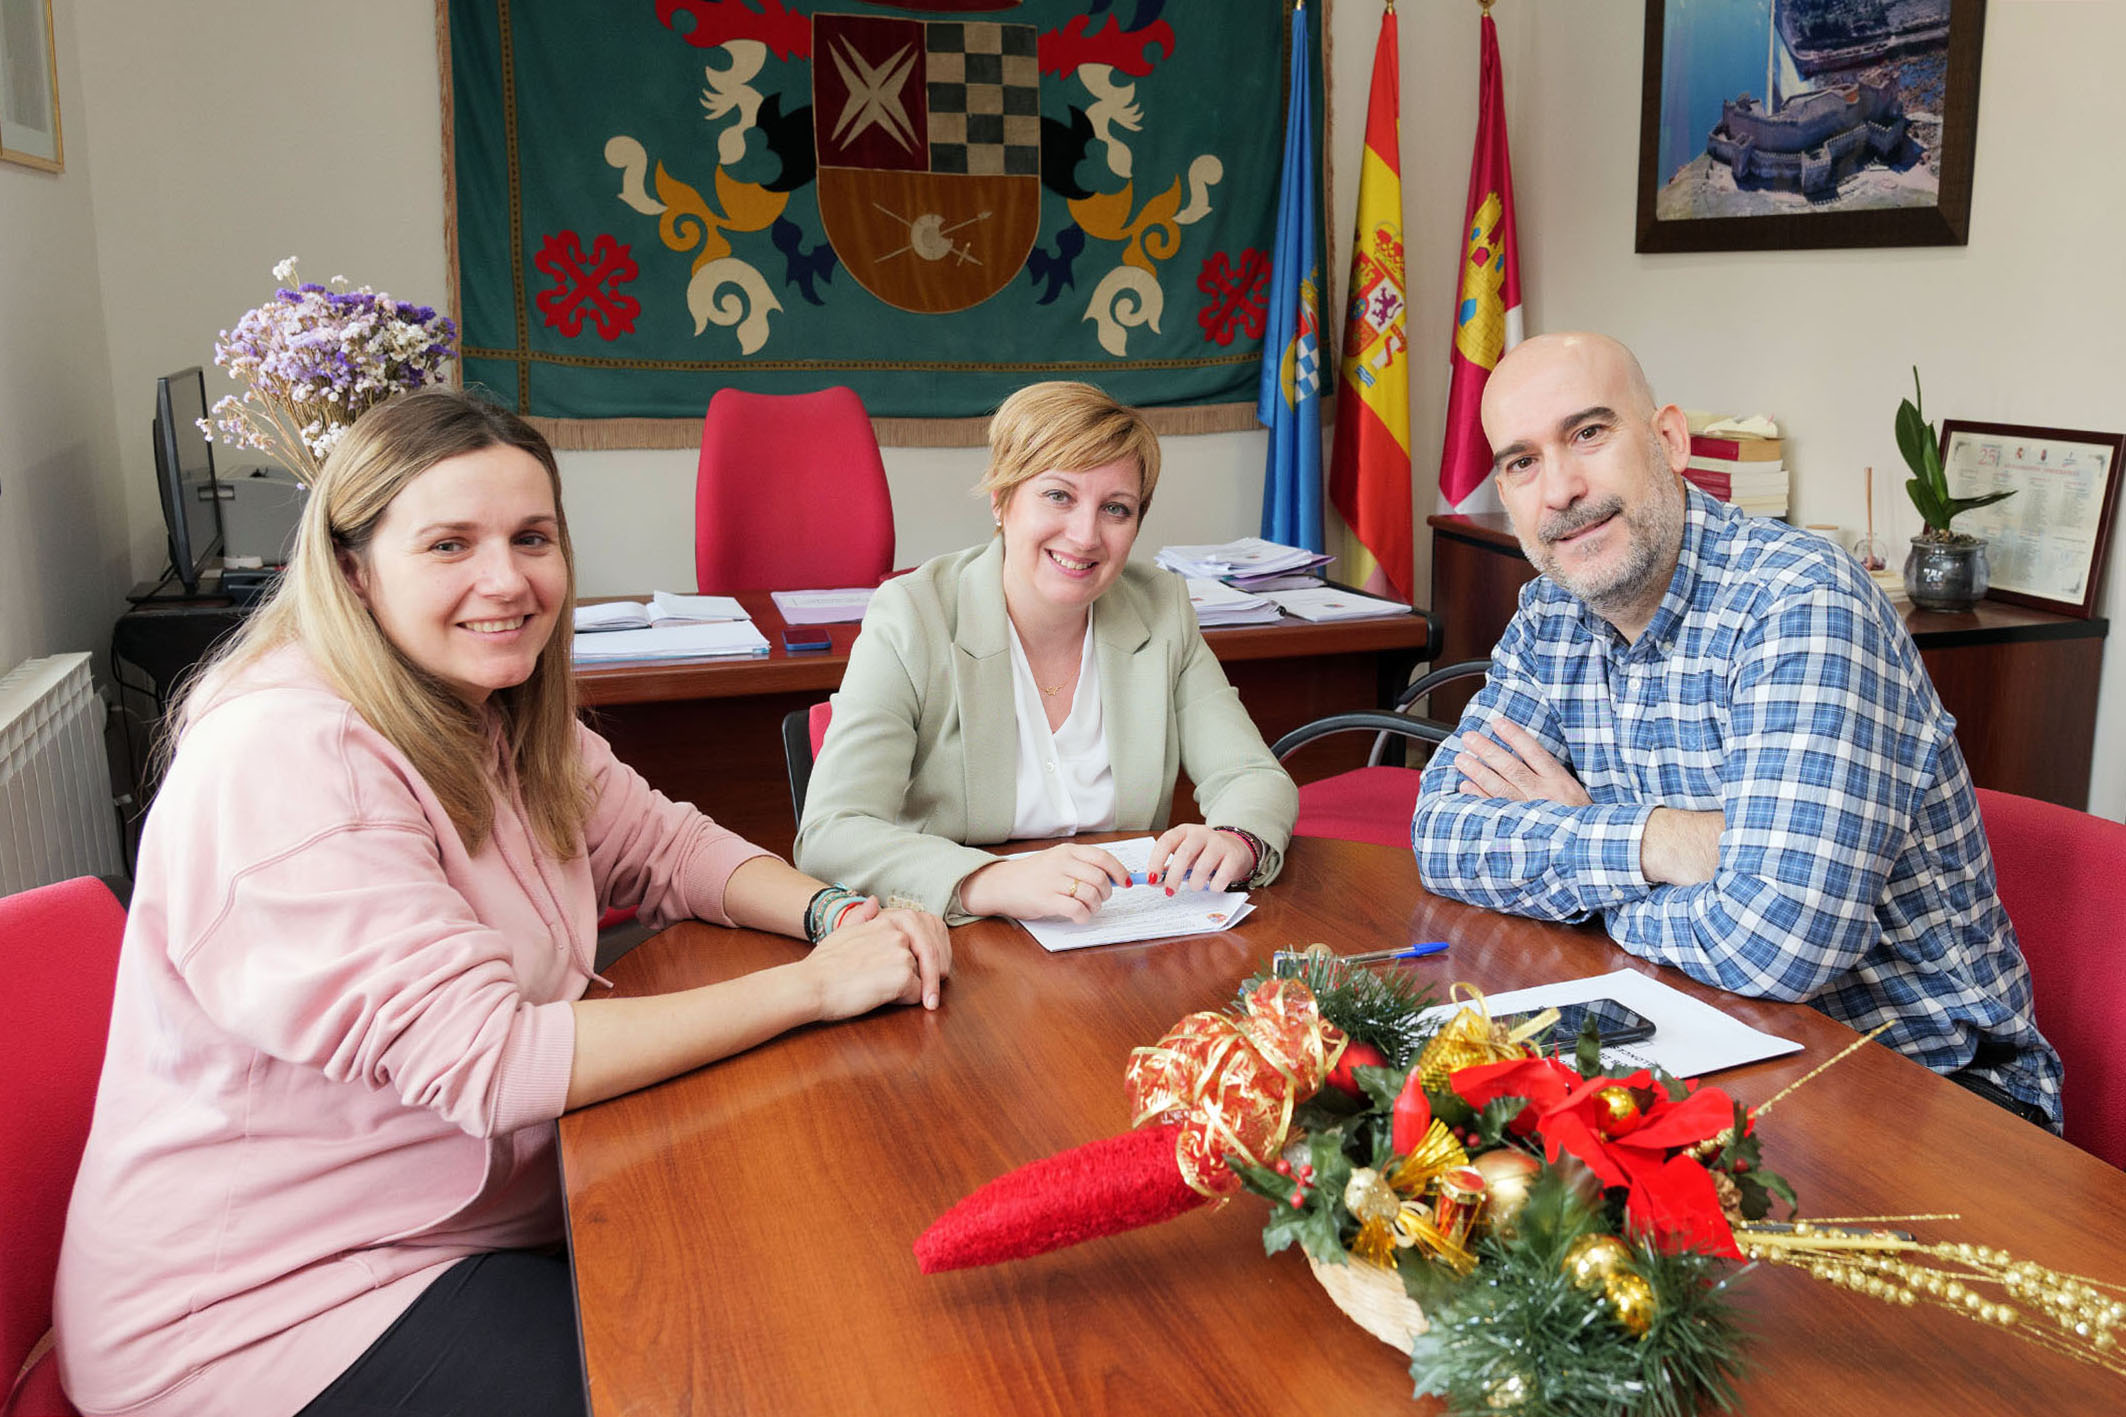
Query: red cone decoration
x,y
1101,1188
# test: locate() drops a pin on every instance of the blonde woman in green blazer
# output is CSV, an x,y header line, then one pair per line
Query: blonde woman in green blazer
x,y
1038,686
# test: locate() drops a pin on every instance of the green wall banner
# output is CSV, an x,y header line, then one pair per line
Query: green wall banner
x,y
932,203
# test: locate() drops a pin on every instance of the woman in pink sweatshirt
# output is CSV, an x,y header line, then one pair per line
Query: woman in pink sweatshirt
x,y
350,1004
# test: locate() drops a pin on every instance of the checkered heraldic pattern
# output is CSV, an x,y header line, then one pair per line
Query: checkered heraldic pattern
x,y
658,199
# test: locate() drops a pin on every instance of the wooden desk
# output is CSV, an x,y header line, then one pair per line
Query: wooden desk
x,y
741,1236
2022,684
710,731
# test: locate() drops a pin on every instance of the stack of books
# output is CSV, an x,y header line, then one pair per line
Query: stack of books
x,y
1749,472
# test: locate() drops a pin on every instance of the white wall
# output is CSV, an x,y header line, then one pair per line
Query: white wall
x,y
323,141
63,561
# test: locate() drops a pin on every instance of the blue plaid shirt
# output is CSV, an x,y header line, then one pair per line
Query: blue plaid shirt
x,y
1775,685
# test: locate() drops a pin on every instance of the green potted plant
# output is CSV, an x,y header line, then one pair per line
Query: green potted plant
x,y
1946,569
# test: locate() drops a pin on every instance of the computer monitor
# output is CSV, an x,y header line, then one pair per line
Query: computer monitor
x,y
184,470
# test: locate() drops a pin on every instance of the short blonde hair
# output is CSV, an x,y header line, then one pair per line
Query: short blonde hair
x,y
1063,426
315,607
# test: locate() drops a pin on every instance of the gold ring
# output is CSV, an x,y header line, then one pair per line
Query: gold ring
x,y
1073,887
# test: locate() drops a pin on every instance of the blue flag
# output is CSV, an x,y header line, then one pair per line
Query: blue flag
x,y
1289,399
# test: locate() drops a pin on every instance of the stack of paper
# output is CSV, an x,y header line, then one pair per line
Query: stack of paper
x,y
1331,604
823,607
663,608
1249,556
712,639
1219,604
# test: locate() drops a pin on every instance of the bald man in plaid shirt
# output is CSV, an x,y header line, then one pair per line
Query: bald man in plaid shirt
x,y
1712,731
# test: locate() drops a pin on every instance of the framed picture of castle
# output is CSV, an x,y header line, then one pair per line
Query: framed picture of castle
x,y
1789,124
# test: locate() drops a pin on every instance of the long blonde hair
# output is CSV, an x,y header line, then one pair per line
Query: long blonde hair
x,y
315,607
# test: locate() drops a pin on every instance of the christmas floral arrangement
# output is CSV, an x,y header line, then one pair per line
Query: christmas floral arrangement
x,y
1540,1236
314,358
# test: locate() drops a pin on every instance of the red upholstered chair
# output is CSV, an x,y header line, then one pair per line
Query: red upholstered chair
x,y
790,494
59,950
2062,877
1373,803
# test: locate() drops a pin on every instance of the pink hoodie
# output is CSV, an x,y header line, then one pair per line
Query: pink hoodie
x,y
338,1047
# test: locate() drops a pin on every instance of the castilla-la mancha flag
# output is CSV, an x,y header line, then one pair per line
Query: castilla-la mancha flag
x,y
1369,473
1487,309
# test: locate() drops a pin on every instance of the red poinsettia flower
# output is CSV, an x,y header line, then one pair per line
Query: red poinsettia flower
x,y
1671,1196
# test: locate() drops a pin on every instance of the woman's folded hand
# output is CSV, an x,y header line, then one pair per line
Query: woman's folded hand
x,y
1066,882
880,957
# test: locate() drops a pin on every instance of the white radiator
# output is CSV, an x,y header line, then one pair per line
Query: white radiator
x,y
56,819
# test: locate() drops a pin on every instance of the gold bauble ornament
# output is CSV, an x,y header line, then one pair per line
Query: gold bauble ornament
x,y
1615,1107
1594,1258
1507,1173
1507,1393
1631,1299
1368,1197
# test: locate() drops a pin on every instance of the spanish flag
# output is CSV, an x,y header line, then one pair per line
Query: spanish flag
x,y
1487,308
1369,473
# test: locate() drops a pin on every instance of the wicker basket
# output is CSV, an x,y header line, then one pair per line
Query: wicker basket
x,y
1374,1298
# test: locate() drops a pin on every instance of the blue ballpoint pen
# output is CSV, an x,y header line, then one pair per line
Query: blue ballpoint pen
x,y
1291,963
1417,951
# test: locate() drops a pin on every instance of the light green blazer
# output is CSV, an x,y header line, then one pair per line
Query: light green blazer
x,y
921,761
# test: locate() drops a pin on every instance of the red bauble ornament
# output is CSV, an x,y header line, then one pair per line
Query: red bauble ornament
x,y
1413,1116
1356,1055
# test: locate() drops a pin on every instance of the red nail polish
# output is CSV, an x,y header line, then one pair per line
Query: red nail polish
x,y
1169,890
1151,878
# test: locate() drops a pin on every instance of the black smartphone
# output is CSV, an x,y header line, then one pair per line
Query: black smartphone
x,y
800,638
1614,1023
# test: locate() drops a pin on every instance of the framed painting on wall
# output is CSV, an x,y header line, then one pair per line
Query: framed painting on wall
x,y
29,86
1803,124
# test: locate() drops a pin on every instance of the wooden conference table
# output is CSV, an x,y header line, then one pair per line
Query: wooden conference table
x,y
710,731
741,1236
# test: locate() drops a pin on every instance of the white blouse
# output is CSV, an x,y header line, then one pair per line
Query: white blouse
x,y
1066,777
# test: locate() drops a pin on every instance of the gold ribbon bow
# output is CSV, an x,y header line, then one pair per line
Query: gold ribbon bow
x,y
1232,1082
1470,1038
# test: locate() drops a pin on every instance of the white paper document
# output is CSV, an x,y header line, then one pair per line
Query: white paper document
x,y
1690,1039
1250,555
714,639
1143,912
1330,604
823,607
669,608
612,615
1217,603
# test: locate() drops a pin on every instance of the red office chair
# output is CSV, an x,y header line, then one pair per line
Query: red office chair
x,y
2062,878
790,494
65,938
1373,803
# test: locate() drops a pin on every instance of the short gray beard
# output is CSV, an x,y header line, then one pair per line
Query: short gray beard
x,y
1655,529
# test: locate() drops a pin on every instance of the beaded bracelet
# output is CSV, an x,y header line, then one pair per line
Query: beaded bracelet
x,y
1255,849
823,913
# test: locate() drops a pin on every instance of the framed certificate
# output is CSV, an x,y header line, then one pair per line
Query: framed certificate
x,y
2045,545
